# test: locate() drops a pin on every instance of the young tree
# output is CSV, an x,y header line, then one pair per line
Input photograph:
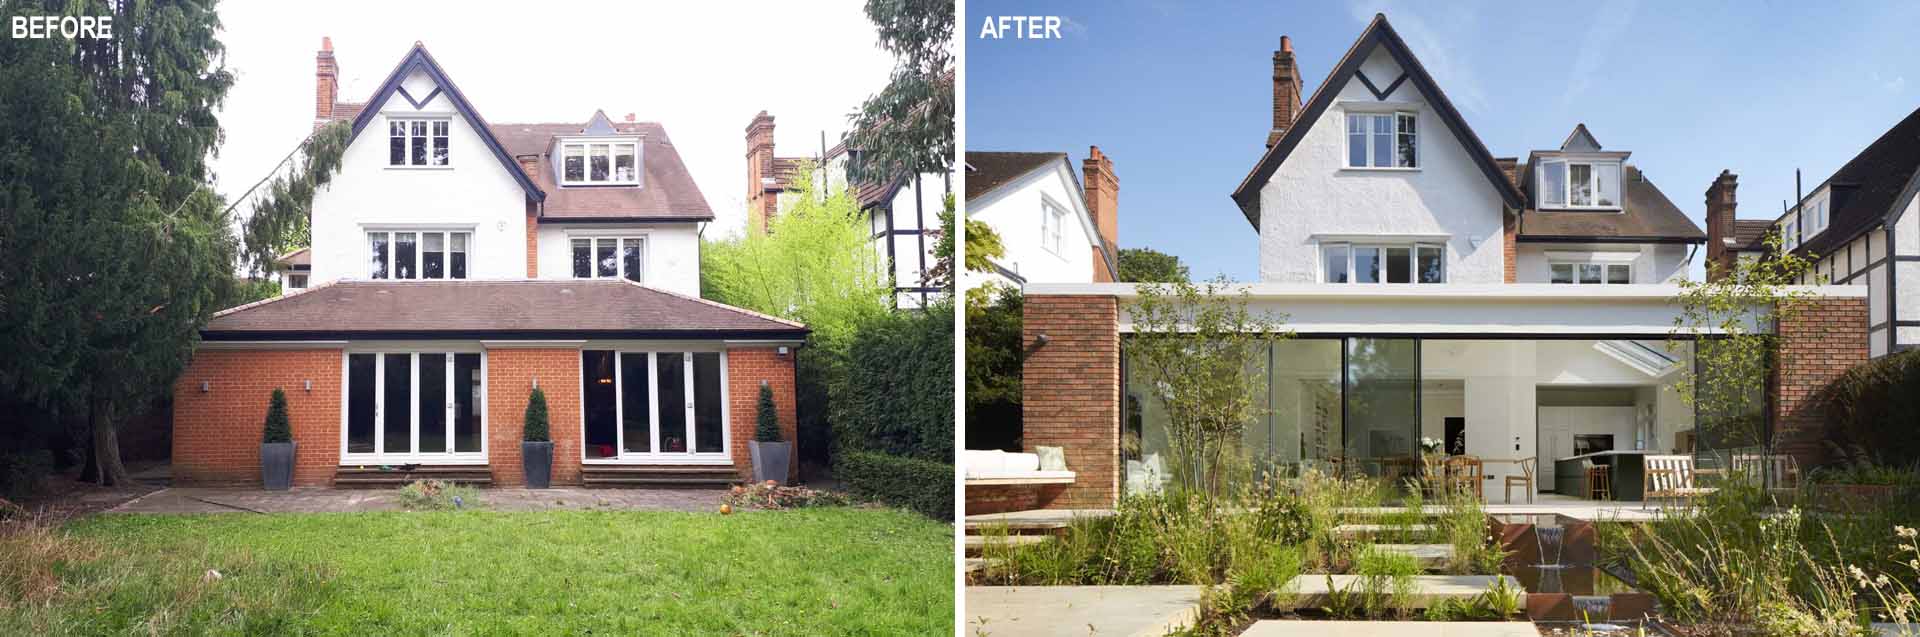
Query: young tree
x,y
1198,348
116,247
908,126
277,429
766,427
1146,265
534,422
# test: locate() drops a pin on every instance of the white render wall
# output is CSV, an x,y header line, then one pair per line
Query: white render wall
x,y
1652,262
672,251
1314,193
473,193
1014,211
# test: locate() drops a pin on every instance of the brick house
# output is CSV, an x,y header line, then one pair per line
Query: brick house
x,y
455,266
1516,310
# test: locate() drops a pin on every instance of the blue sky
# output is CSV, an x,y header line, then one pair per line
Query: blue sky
x,y
1180,95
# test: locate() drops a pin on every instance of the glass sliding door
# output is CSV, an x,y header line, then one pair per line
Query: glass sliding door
x,y
672,379
1383,404
466,383
598,389
396,422
655,406
636,403
362,401
414,407
707,423
433,403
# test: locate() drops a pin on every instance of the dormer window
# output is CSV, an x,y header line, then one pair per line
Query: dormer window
x,y
1565,183
599,163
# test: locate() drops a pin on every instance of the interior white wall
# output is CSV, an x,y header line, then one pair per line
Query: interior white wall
x,y
672,253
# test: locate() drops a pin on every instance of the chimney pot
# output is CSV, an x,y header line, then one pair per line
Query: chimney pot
x,y
1286,44
326,43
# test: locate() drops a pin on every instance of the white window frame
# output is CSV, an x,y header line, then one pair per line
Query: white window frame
x,y
586,147
1347,135
434,142
420,252
1593,183
1790,232
593,262
413,353
1053,221
1606,267
688,457
1413,261
1814,217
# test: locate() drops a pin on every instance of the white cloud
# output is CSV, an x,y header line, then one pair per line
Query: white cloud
x,y
701,69
1603,31
1890,84
1435,44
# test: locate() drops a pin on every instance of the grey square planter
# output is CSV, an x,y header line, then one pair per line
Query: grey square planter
x,y
770,460
276,465
536,462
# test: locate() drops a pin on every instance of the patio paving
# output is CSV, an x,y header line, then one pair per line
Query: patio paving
x,y
1428,555
1034,520
322,500
1107,611
1278,628
1310,590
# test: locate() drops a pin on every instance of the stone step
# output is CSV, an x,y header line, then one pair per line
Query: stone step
x,y
658,476
1285,628
1033,520
1370,530
654,481
1311,590
376,478
977,544
1429,556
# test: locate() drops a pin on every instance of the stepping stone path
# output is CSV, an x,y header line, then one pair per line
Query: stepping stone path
x,y
1106,611
1310,591
979,543
1280,628
1368,530
1429,555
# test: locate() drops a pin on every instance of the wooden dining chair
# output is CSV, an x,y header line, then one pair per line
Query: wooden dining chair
x,y
1525,480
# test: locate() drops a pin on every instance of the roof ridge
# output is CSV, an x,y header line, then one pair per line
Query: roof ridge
x,y
717,304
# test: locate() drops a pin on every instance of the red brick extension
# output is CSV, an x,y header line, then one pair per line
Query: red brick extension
x,y
216,439
1817,345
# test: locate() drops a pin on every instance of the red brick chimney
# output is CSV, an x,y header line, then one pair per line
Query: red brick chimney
x,y
1720,208
1103,202
763,191
1286,91
326,82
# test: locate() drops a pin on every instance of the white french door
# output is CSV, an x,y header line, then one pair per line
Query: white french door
x,y
664,407
413,407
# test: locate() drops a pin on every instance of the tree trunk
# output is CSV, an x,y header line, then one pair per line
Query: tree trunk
x,y
89,469
106,446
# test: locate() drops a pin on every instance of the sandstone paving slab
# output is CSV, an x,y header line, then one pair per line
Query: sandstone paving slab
x,y
1283,628
1107,611
1311,590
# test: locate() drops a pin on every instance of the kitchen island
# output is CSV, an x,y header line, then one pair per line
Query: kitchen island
x,y
1629,469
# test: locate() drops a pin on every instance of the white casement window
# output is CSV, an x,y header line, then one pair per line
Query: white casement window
x,y
1579,184
417,142
1790,233
1816,216
599,163
417,254
1383,263
1572,273
610,257
1052,218
1383,140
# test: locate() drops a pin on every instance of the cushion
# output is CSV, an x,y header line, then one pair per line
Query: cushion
x,y
1051,458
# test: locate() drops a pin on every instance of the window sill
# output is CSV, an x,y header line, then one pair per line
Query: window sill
x,y
427,168
1582,209
1380,169
628,184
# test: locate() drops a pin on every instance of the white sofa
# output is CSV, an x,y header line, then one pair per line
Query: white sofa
x,y
995,467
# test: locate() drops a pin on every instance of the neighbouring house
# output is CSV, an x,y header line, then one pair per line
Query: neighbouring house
x,y
293,269
903,212
1053,226
1517,310
1860,227
456,266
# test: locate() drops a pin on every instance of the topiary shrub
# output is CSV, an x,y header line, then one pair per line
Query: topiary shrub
x,y
535,429
277,429
1871,410
921,485
767,425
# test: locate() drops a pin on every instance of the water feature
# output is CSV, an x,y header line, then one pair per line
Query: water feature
x,y
1551,541
1558,571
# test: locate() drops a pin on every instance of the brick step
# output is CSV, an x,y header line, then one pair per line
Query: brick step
x,y
617,476
374,477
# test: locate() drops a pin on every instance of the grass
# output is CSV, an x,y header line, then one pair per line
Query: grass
x,y
802,572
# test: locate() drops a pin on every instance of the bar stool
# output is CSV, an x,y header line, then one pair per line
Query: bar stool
x,y
1599,482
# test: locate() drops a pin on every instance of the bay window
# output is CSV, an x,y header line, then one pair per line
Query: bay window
x,y
417,142
595,163
609,257
1579,184
1388,263
1383,140
409,254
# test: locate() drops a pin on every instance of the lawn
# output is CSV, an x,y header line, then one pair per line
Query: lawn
x,y
798,572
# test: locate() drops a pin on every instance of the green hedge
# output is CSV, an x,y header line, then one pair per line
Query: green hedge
x,y
897,395
921,485
1872,409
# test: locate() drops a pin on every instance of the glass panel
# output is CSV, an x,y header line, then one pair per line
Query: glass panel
x,y
607,264
433,403
1553,183
576,163
1399,265
1356,140
582,258
1589,272
1581,191
1336,263
623,163
466,403
596,384
396,143
403,256
360,401
1562,272
1382,141
1383,394
597,166
636,402
417,154
1606,185
433,255
458,256
439,143
1304,390
1408,158
1619,273
1366,265
1432,264
706,403
377,247
630,259
397,422
672,379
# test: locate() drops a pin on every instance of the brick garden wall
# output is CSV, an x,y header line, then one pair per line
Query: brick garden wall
x,y
746,368
1817,344
1072,397
217,433
510,375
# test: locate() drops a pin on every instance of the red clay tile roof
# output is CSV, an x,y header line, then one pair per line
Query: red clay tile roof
x,y
988,170
544,308
1645,215
1751,234
667,190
